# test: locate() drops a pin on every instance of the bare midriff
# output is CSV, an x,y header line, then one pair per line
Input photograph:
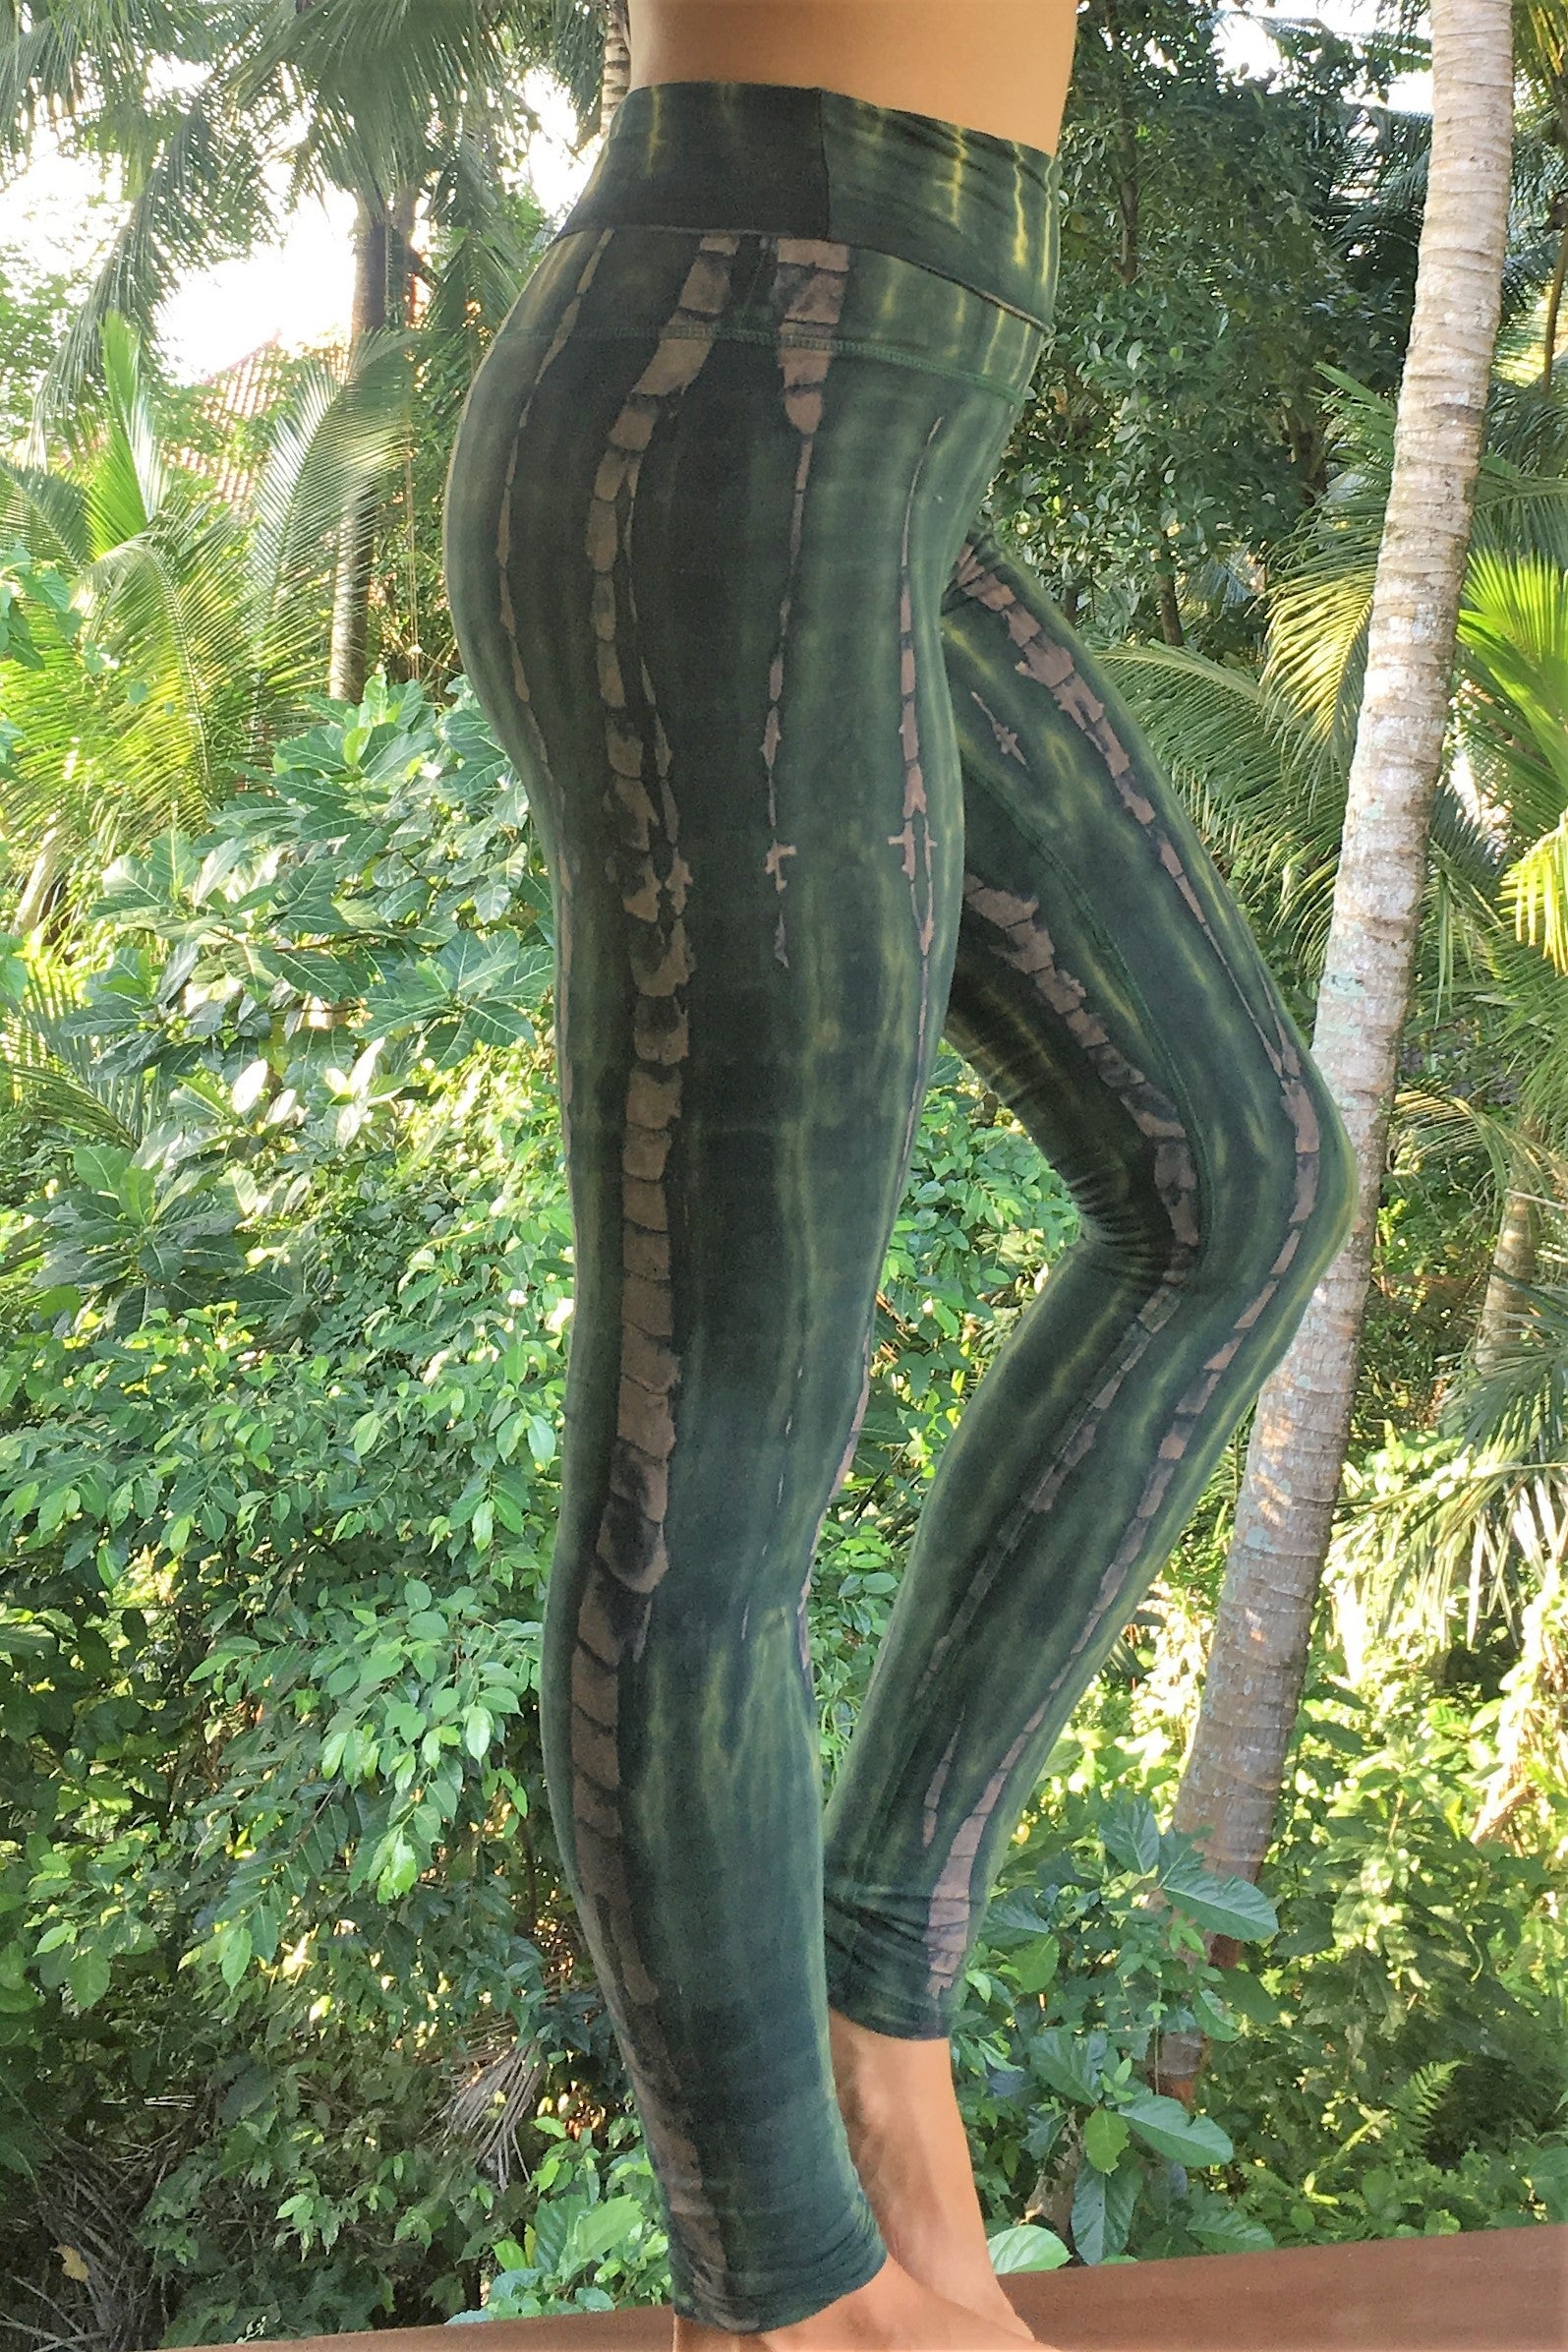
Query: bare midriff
x,y
1000,66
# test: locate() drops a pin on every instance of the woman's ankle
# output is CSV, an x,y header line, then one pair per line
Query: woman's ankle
x,y
859,2319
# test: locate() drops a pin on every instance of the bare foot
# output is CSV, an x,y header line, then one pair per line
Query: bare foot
x,y
909,2147
891,2313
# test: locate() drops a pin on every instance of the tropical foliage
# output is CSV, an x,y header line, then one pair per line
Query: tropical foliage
x,y
297,2029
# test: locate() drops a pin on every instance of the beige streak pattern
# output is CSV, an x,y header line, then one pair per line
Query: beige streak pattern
x,y
1021,939
914,836
630,1558
1048,662
810,277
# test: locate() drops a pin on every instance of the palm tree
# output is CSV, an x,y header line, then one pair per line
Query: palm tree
x,y
393,104
617,60
1230,1790
1541,47
198,628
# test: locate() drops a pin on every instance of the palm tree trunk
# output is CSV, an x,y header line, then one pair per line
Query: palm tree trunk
x,y
379,236
1231,1788
1554,311
38,896
617,60
1518,1241
1169,609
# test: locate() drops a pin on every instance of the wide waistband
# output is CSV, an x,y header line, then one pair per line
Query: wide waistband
x,y
794,161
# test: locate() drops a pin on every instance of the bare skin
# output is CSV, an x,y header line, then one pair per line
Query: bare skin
x,y
891,2313
937,2291
909,2147
1000,66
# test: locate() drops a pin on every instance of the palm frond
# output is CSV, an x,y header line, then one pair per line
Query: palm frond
x,y
201,198
1320,604
1267,800
378,74
46,511
341,438
128,481
1453,1524
60,1070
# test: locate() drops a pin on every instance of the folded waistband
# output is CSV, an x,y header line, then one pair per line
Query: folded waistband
x,y
794,161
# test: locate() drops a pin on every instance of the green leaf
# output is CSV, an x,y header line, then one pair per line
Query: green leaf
x,y
233,1953
554,2223
1026,2247
1104,2137
1131,1834
603,2228
89,1977
1102,2212
1062,2059
1225,1906
1212,2017
1223,2230
399,1869
1166,2126
1033,1967
1255,2001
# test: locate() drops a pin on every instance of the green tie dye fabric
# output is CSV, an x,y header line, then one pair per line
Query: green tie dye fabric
x,y
820,774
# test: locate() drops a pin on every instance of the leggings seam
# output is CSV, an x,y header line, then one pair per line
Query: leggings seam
x,y
856,347
1197,1141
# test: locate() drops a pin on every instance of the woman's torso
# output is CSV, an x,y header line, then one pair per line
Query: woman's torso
x,y
1000,66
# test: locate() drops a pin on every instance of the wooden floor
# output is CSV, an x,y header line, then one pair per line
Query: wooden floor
x,y
1503,2290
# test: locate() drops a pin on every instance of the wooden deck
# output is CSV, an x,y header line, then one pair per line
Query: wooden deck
x,y
1503,2290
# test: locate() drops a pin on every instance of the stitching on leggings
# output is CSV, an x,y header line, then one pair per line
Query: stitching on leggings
x,y
856,347
888,252
1196,1140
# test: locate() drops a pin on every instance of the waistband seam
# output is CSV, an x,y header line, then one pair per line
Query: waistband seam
x,y
724,229
854,346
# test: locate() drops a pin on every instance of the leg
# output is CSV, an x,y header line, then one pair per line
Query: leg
x,y
697,581
1109,988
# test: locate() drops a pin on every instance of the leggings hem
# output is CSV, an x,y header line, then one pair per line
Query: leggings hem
x,y
786,2305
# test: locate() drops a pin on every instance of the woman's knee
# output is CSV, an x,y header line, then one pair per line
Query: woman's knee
x,y
1275,1217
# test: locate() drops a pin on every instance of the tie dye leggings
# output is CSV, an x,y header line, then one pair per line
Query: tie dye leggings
x,y
820,774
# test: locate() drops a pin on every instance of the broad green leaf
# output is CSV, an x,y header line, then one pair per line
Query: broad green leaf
x,y
89,1977
1026,2247
1243,1992
555,2219
1131,1834
1102,2210
1164,2125
1104,2137
1223,2230
1225,1906
1036,1964
233,1953
601,2229
1063,2060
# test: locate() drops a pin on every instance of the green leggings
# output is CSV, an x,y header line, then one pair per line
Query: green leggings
x,y
820,772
